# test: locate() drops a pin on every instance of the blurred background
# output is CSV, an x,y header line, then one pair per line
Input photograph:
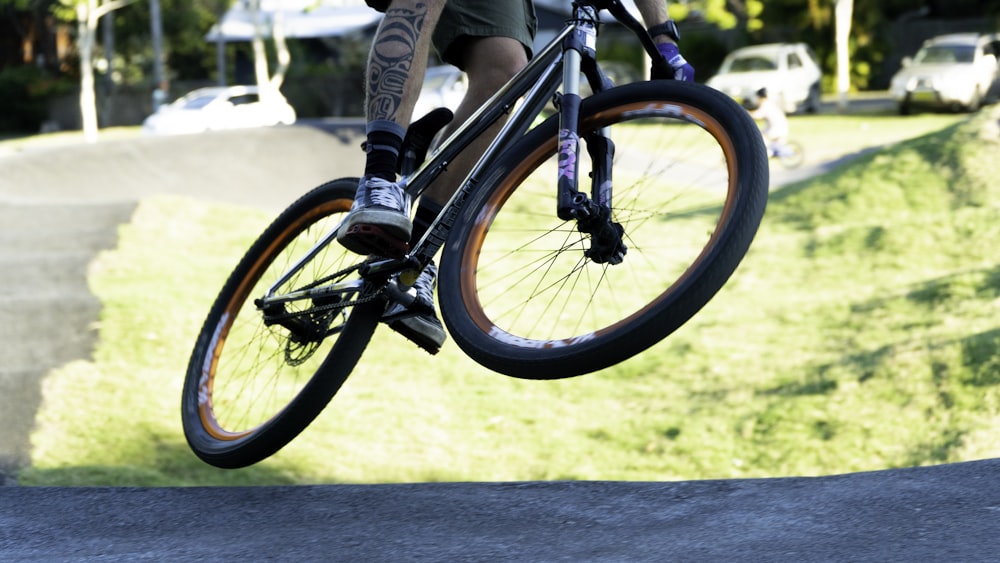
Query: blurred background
x,y
72,64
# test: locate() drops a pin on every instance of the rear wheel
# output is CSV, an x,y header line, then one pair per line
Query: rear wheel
x,y
690,180
256,380
791,154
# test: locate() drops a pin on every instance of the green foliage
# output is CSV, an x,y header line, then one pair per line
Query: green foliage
x,y
65,10
16,5
24,94
185,24
714,11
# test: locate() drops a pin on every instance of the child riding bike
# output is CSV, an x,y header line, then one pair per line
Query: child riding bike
x,y
775,127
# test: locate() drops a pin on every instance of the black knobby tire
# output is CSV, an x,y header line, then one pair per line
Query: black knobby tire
x,y
690,187
250,388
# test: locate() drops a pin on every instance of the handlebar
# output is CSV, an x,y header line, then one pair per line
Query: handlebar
x,y
621,13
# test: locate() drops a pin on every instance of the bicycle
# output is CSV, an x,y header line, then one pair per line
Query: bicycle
x,y
789,153
536,280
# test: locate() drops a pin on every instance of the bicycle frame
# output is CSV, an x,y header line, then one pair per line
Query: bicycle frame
x,y
560,62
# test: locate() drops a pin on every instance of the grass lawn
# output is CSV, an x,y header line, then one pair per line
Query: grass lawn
x,y
859,334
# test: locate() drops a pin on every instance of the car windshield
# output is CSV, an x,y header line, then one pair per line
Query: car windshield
x,y
751,63
946,54
194,101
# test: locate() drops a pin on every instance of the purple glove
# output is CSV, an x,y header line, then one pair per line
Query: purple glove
x,y
682,70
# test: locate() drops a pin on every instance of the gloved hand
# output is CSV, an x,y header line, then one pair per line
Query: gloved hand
x,y
682,70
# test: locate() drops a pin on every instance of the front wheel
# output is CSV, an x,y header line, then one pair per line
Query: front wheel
x,y
690,181
259,375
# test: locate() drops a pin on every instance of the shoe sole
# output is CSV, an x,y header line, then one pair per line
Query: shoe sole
x,y
372,240
376,231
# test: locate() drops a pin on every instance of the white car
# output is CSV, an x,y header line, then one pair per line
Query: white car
x,y
952,72
789,71
219,107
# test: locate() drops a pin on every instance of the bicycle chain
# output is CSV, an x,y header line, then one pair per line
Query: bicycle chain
x,y
332,306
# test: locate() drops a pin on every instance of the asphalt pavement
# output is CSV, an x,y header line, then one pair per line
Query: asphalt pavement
x,y
60,206
947,513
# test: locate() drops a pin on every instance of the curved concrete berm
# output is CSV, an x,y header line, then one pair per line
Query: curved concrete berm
x,y
60,206
947,513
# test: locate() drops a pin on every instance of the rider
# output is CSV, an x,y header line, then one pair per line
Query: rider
x,y
775,128
491,41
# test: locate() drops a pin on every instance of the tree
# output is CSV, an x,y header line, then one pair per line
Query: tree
x,y
88,13
843,14
726,14
12,32
275,27
27,35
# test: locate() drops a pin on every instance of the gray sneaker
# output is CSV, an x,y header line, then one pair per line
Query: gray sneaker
x,y
419,322
379,221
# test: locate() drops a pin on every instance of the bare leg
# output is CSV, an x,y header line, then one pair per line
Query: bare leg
x,y
398,59
379,221
490,62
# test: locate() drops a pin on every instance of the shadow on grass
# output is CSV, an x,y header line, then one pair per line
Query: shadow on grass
x,y
972,360
169,464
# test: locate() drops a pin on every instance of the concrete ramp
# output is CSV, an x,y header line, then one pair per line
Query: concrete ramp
x,y
260,167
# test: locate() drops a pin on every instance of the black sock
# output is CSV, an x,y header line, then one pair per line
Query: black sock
x,y
385,138
427,211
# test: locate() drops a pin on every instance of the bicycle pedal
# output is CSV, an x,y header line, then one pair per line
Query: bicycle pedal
x,y
373,240
417,338
413,310
424,330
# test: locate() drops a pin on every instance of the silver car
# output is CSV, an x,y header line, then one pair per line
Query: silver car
x,y
219,107
954,72
789,71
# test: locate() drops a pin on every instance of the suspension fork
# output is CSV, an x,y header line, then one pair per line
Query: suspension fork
x,y
582,41
592,215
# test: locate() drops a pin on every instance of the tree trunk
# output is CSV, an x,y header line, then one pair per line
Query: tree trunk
x,y
259,53
86,26
161,87
88,14
281,49
843,13
269,85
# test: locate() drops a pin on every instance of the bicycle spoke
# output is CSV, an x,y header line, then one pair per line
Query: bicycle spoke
x,y
532,276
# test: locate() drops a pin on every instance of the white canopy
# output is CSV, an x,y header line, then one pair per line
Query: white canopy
x,y
321,18
299,18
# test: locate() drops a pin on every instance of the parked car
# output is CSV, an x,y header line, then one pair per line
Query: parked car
x,y
789,71
219,107
444,87
952,72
